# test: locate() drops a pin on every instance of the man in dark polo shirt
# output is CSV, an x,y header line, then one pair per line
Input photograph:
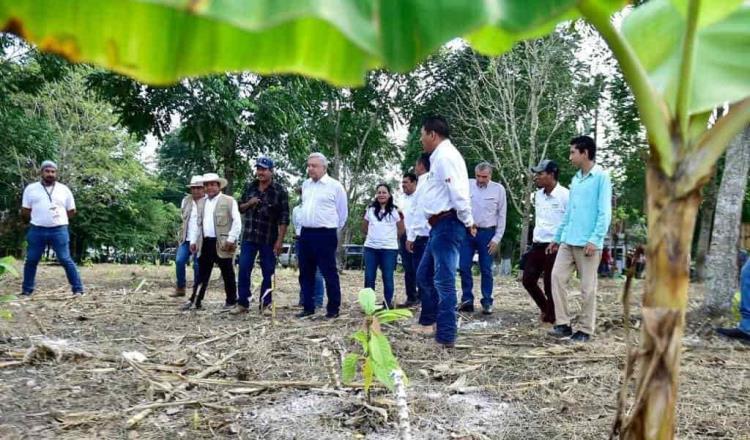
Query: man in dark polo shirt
x,y
265,208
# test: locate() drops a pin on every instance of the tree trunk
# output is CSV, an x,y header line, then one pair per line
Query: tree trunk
x,y
704,233
525,224
722,272
671,222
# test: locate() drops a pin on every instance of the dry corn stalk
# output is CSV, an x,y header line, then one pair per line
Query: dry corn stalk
x,y
404,428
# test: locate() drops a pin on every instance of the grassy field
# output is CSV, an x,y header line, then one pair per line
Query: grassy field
x,y
63,373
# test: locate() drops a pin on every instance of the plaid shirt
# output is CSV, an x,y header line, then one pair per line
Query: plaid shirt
x,y
262,221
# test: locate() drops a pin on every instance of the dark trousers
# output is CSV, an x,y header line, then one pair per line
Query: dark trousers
x,y
410,270
318,251
538,262
420,243
206,265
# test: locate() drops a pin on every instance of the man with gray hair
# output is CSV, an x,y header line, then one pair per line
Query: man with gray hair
x,y
488,207
323,212
48,205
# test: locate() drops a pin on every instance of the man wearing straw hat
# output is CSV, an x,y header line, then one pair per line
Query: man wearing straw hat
x,y
215,241
189,209
48,205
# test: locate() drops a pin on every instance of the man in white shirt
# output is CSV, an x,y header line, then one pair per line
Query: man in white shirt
x,y
324,211
48,205
418,229
408,186
189,210
215,241
446,205
319,290
488,206
550,202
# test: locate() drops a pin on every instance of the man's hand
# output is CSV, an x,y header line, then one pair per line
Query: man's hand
x,y
492,248
589,250
409,245
552,248
473,230
250,203
193,248
277,247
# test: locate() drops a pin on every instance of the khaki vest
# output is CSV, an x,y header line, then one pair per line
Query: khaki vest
x,y
187,207
222,224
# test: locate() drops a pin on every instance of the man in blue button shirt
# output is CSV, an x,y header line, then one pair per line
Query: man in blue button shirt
x,y
580,238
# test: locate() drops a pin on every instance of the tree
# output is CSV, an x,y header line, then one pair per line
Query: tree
x,y
657,49
514,108
721,263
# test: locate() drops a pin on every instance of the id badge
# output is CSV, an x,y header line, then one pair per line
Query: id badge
x,y
55,211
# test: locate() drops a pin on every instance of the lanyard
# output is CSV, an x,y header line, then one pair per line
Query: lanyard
x,y
49,193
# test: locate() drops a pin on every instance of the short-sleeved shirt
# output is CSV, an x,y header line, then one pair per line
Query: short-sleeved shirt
x,y
262,221
49,205
382,233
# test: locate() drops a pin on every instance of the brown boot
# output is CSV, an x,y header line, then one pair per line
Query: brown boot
x,y
178,291
238,310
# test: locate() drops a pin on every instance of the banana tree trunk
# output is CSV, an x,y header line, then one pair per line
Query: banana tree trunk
x,y
671,221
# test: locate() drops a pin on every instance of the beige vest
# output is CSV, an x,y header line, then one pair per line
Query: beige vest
x,y
187,207
222,224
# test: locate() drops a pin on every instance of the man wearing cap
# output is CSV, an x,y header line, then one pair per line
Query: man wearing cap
x,y
265,205
324,212
446,204
488,207
189,210
550,202
48,205
580,238
215,241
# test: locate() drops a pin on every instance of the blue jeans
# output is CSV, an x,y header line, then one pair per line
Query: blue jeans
x,y
745,298
319,289
469,246
59,239
386,260
436,276
248,252
318,251
180,260
410,270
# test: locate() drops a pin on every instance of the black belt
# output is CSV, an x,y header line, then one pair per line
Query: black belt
x,y
486,229
304,228
433,220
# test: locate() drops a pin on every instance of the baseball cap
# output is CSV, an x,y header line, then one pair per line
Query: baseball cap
x,y
264,162
546,165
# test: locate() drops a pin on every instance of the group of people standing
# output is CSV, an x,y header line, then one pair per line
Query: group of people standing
x,y
446,219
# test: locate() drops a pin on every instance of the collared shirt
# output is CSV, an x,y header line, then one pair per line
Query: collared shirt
x,y
489,207
549,212
192,228
447,184
323,203
262,220
418,225
382,233
296,220
49,205
589,209
209,230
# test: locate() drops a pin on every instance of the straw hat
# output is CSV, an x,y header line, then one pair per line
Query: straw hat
x,y
213,177
196,181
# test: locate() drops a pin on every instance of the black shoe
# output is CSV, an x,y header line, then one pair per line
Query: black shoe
x,y
304,313
561,331
580,336
332,315
735,333
409,303
486,310
466,307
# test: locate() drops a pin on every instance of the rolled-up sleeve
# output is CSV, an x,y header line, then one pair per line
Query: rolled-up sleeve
x,y
502,212
234,232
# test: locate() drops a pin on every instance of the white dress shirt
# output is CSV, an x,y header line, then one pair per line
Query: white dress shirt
x,y
192,226
382,234
489,207
296,220
418,225
323,204
209,230
49,205
447,184
405,205
550,210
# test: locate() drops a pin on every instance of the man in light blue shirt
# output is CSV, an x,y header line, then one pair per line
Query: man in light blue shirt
x,y
580,238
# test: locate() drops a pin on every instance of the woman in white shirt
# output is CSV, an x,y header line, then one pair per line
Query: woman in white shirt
x,y
382,224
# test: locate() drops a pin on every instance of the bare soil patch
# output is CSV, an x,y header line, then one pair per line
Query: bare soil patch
x,y
254,377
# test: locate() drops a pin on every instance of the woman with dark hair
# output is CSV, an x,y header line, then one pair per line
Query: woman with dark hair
x,y
382,224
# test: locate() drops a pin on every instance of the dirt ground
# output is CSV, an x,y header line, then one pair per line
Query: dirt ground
x,y
251,377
